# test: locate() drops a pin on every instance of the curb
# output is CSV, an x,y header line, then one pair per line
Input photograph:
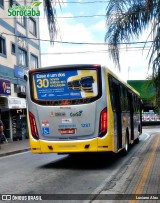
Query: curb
x,y
150,123
14,152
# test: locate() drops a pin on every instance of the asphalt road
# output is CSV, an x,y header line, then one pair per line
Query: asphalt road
x,y
31,174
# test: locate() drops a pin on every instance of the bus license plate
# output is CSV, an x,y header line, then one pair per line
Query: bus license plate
x,y
67,131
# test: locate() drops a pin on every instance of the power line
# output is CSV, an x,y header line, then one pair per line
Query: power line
x,y
97,51
101,51
59,17
63,17
72,2
78,16
84,2
75,43
81,16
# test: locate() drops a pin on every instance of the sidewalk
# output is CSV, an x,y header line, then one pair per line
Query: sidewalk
x,y
14,147
139,180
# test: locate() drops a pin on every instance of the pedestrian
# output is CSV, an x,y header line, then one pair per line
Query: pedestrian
x,y
2,135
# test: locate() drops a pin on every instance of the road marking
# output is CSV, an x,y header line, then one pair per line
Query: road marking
x,y
146,170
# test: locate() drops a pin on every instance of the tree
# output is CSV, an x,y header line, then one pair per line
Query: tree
x,y
155,97
127,20
50,12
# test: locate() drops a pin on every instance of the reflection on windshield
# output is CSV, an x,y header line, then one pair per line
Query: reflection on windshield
x,y
70,86
84,84
76,85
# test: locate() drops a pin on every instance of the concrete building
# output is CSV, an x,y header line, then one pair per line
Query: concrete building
x,y
19,52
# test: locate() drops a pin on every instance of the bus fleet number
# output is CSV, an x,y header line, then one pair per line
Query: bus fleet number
x,y
85,125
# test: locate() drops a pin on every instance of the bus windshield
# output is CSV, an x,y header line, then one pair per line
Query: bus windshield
x,y
60,84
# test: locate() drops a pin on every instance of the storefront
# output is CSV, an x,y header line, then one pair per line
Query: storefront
x,y
17,108
13,115
4,115
5,92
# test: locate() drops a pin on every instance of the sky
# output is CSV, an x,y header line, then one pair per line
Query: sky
x,y
91,29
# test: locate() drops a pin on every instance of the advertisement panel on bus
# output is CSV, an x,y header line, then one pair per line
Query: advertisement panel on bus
x,y
65,85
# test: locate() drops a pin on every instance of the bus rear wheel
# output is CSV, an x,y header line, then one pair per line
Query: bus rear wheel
x,y
126,146
136,141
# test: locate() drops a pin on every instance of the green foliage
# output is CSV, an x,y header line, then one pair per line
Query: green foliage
x,y
128,19
154,81
50,12
144,87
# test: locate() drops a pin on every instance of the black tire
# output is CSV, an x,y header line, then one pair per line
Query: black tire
x,y
139,129
136,141
126,147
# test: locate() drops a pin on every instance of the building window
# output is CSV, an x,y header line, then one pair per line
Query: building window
x,y
13,48
2,46
22,57
32,26
10,3
34,61
2,3
21,20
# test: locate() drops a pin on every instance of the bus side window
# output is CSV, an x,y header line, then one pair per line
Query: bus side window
x,y
124,99
134,103
137,104
112,93
130,101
